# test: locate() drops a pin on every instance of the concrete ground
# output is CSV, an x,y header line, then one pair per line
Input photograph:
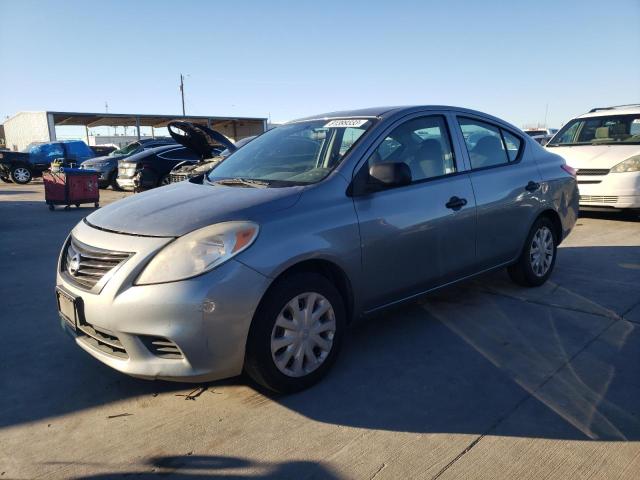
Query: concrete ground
x,y
483,380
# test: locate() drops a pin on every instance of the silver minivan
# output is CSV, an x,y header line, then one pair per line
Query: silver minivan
x,y
261,264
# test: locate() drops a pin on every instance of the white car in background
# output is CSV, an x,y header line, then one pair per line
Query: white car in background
x,y
541,135
603,145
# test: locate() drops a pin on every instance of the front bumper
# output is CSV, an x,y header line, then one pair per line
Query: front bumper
x,y
211,344
125,183
613,190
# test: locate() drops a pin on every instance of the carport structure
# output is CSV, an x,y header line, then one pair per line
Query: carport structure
x,y
234,128
26,127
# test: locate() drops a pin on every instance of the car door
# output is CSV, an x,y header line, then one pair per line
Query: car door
x,y
507,184
420,235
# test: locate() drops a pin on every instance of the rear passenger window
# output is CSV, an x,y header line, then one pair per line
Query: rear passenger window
x,y
513,145
421,143
484,143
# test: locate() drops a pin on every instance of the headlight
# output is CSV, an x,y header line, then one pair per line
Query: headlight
x,y
629,165
198,252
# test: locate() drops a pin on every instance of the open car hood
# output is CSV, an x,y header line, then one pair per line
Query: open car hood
x,y
198,138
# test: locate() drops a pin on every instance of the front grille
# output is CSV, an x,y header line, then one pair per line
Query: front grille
x,y
102,340
592,171
179,177
86,266
161,347
598,199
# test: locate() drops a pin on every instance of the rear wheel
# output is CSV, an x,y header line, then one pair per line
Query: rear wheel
x,y
21,175
296,333
113,181
165,180
538,257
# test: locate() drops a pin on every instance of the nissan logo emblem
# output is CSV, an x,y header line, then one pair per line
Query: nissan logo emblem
x,y
74,264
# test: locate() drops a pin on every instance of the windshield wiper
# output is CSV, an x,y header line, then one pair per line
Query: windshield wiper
x,y
250,182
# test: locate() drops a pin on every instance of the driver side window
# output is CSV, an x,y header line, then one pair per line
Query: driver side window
x,y
422,144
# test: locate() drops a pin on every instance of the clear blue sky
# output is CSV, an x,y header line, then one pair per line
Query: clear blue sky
x,y
291,59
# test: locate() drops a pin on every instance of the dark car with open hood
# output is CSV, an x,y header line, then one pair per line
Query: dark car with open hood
x,y
107,165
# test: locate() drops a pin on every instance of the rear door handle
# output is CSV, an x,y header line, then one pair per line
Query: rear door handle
x,y
532,186
456,203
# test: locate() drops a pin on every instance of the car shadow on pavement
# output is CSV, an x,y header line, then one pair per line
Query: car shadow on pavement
x,y
619,215
484,357
218,467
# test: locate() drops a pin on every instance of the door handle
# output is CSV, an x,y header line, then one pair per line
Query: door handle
x,y
532,186
456,203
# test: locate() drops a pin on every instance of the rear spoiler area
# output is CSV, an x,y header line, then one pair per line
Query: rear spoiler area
x,y
198,138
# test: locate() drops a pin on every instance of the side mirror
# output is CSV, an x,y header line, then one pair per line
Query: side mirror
x,y
388,175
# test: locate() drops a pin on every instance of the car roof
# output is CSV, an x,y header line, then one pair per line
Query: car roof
x,y
385,112
632,109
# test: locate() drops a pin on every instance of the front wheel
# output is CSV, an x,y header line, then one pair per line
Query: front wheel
x,y
5,179
21,175
296,333
165,180
538,257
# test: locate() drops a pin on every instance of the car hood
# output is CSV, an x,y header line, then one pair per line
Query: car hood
x,y
105,158
595,156
182,207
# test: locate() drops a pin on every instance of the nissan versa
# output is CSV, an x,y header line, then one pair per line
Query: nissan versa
x,y
261,264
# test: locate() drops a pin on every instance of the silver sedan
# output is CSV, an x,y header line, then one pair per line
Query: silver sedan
x,y
261,264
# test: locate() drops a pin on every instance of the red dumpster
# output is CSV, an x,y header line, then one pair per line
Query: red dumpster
x,y
73,186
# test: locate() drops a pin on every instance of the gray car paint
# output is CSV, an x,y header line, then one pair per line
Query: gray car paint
x,y
390,245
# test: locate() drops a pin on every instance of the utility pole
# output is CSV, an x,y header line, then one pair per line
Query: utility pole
x,y
106,107
182,93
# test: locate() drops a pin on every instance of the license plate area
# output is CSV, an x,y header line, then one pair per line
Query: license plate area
x,y
68,308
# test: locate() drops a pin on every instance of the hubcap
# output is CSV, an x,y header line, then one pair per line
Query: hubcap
x,y
303,334
21,174
541,251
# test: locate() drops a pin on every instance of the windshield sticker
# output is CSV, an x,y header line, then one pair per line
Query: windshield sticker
x,y
355,123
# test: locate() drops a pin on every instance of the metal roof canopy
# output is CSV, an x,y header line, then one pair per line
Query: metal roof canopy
x,y
91,120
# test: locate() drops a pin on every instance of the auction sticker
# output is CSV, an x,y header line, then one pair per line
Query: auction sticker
x,y
355,123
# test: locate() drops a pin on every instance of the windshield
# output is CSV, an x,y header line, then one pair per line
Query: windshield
x,y
240,143
605,130
126,150
298,153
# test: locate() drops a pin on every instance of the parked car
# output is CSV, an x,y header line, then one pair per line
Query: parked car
x,y
261,264
107,166
187,170
151,168
22,167
541,135
102,150
603,145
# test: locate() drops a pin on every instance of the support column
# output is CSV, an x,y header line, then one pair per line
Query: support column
x,y
138,127
86,132
52,127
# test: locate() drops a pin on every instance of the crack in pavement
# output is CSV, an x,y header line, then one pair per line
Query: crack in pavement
x,y
528,395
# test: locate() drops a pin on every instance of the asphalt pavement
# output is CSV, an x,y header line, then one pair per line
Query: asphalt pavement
x,y
482,380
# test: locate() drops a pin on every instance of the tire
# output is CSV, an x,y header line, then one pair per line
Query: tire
x,y
21,175
6,180
533,268
113,181
266,334
164,180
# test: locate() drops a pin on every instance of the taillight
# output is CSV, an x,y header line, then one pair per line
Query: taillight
x,y
570,170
